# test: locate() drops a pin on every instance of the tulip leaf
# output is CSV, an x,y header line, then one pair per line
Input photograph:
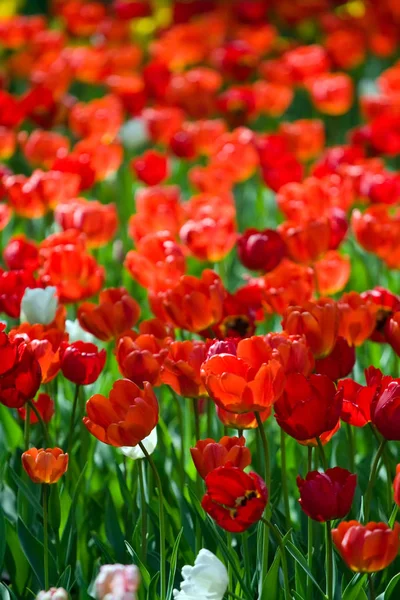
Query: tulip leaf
x,y
34,550
26,492
6,593
65,579
354,587
69,535
271,580
10,431
54,508
392,586
2,539
173,562
152,593
144,574
299,558
113,530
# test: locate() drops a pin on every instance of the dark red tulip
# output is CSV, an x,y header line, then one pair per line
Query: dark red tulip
x,y
260,250
329,495
82,362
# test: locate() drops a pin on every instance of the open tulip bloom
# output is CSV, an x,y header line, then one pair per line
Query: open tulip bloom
x,y
199,299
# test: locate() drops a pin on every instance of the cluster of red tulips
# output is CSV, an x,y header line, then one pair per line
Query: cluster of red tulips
x,y
199,210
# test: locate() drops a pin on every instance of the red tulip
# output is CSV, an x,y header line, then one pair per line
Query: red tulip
x,y
327,496
82,362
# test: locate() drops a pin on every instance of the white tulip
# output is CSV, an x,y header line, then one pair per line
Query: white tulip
x,y
53,594
135,452
39,305
76,333
207,579
134,133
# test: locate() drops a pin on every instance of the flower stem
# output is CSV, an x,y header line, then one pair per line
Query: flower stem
x,y
372,477
181,436
322,454
143,508
329,560
310,534
163,574
352,452
279,541
27,426
42,423
210,415
246,556
72,422
196,418
284,480
265,545
46,536
371,587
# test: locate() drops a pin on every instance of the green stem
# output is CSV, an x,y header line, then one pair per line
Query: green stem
x,y
240,433
42,423
284,480
246,556
329,560
352,451
27,427
310,526
46,536
279,541
230,573
322,454
371,587
265,545
163,574
386,459
372,477
143,508
196,418
72,422
181,436
210,415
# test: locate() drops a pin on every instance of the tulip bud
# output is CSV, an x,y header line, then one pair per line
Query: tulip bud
x,y
118,582
39,305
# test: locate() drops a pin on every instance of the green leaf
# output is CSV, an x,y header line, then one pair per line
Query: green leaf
x,y
6,593
65,579
354,587
34,551
26,492
103,549
390,588
145,575
69,535
113,530
271,581
2,539
299,558
173,561
10,431
152,593
54,508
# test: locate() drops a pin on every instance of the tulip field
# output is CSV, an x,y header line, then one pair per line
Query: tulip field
x,y
199,299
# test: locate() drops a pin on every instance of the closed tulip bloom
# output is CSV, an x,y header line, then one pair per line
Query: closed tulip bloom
x,y
307,241
82,362
392,332
328,495
249,381
386,412
151,167
116,312
140,357
318,321
53,594
308,407
39,305
117,582
45,466
332,93
357,318
8,350
234,499
260,250
126,418
149,442
207,579
366,548
209,454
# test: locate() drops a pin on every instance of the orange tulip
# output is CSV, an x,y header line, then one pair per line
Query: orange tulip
x,y
357,318
97,221
289,283
116,312
140,357
45,466
318,321
158,209
308,241
101,118
181,368
332,93
332,273
40,148
305,137
292,351
192,304
209,454
366,548
126,417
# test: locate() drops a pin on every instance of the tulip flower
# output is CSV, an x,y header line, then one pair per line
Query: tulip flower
x,y
386,412
396,486
366,548
45,466
208,454
261,250
82,362
126,418
39,305
118,582
328,495
53,594
207,579
234,499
